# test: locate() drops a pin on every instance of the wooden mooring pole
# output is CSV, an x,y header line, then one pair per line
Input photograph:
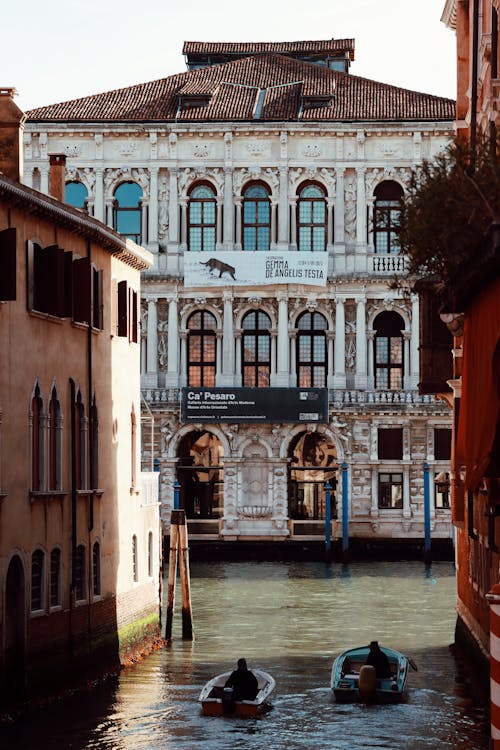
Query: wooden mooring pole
x,y
179,551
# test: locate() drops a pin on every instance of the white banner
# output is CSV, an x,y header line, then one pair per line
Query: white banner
x,y
240,268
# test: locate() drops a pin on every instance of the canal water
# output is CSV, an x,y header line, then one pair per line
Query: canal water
x,y
290,619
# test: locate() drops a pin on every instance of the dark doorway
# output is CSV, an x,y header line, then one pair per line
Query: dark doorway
x,y
13,684
313,463
200,472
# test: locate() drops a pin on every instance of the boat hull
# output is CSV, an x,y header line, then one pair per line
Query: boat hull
x,y
345,680
212,703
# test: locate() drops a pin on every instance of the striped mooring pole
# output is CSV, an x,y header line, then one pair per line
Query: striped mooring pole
x,y
494,601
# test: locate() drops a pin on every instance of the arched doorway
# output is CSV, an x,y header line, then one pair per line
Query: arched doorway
x,y
313,462
15,616
200,472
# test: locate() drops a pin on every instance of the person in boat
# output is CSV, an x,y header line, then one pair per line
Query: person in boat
x,y
378,659
243,682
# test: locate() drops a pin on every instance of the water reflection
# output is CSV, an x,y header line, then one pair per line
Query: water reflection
x,y
290,619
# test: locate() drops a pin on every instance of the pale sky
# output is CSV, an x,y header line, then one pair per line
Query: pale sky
x,y
64,49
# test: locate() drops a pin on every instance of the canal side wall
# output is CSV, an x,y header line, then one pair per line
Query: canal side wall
x,y
74,648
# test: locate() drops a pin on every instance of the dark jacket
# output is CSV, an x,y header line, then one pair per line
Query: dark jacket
x,y
376,658
244,684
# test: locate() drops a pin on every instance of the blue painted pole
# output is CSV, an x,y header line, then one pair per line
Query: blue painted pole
x,y
328,519
177,492
427,511
345,509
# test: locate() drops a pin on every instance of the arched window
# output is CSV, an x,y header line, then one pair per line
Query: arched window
x,y
80,444
202,219
135,565
386,213
80,577
256,218
150,554
37,580
311,350
55,577
94,446
256,346
311,219
127,210
76,194
202,327
37,442
389,351
55,429
96,569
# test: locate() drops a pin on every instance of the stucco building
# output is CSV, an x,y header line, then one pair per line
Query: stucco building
x,y
79,525
473,314
266,181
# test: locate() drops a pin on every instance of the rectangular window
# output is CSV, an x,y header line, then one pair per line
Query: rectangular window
x,y
97,300
122,309
8,265
390,491
390,444
442,490
442,444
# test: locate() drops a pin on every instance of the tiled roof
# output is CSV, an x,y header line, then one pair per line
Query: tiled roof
x,y
312,47
234,88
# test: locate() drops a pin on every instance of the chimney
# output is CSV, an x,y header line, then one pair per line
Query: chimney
x,y
57,183
11,135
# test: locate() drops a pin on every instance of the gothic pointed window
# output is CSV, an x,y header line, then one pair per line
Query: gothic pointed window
x,y
202,219
55,441
256,218
80,574
37,442
127,209
256,349
311,350
386,215
311,219
96,569
37,580
55,577
76,194
202,347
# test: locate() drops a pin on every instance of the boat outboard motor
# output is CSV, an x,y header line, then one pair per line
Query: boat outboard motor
x,y
228,700
367,683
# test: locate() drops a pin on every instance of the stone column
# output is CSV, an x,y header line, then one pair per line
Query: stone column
x,y
371,245
414,342
329,223
283,230
293,224
406,360
330,379
282,375
228,209
360,379
151,377
339,229
218,357
44,179
144,238
406,492
274,340
183,204
183,374
339,377
227,375
374,504
293,359
28,176
273,224
153,207
370,335
361,210
238,244
238,377
99,194
218,240
172,376
173,211
108,208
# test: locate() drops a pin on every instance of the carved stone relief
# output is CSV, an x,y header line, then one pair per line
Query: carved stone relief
x,y
350,208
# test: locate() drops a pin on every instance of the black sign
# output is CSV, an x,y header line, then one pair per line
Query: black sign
x,y
254,405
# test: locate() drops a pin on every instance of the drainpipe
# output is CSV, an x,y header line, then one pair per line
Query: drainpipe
x,y
328,523
427,514
345,511
90,442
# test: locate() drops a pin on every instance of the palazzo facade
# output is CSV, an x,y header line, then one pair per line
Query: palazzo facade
x,y
270,152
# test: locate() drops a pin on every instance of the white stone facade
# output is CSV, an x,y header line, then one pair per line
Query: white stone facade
x,y
349,161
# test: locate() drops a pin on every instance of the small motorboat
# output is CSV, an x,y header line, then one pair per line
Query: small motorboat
x,y
354,680
216,701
